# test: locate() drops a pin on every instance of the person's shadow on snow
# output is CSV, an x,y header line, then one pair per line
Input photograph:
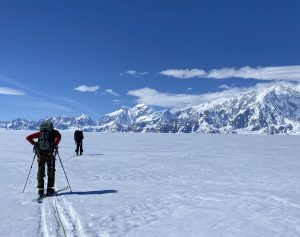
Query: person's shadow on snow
x,y
100,192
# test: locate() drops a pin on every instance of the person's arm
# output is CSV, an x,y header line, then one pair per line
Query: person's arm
x,y
33,136
57,138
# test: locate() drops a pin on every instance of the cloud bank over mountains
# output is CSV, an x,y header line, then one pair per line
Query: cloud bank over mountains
x,y
289,73
178,101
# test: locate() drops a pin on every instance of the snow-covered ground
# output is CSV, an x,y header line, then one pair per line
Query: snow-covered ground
x,y
158,185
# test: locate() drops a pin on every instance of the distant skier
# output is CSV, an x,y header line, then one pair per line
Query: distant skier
x,y
78,137
45,147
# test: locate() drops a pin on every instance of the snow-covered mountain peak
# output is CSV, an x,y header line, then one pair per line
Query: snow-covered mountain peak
x,y
118,112
265,109
280,88
83,117
140,110
141,106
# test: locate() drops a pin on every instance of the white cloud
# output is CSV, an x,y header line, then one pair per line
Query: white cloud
x,y
110,91
135,73
118,102
131,72
152,97
10,91
189,89
84,88
178,101
260,73
183,73
225,87
289,73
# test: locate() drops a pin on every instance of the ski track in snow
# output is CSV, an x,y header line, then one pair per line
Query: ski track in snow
x,y
59,218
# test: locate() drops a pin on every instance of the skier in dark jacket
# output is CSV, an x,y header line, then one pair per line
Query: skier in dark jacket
x,y
45,147
78,137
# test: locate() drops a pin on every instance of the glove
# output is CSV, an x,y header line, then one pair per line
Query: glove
x,y
36,148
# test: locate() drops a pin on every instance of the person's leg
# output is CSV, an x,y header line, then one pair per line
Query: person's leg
x,y
41,174
51,174
77,148
81,150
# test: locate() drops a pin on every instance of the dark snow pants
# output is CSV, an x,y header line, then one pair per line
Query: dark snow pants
x,y
44,159
79,147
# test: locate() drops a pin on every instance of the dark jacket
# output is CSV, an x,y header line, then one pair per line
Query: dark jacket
x,y
78,136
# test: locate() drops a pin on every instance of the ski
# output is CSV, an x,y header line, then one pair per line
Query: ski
x,y
62,189
40,198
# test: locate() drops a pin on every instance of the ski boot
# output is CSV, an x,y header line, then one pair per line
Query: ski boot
x,y
41,192
50,192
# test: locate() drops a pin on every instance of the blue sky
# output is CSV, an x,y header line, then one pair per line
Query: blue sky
x,y
73,57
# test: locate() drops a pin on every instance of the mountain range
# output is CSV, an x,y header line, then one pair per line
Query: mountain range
x,y
267,110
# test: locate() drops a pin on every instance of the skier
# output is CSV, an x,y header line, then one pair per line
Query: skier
x,y
45,147
78,137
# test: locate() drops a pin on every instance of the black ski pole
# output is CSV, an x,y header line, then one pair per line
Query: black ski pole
x,y
64,170
29,172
